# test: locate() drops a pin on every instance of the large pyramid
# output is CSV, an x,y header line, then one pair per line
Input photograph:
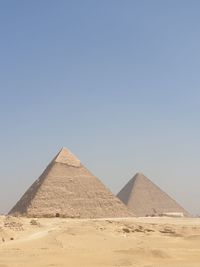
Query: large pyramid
x,y
67,189
144,198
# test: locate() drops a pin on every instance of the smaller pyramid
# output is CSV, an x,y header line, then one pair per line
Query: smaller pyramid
x,y
144,198
67,189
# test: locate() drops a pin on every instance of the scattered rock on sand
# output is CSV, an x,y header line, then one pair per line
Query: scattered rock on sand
x,y
167,230
13,223
34,222
126,230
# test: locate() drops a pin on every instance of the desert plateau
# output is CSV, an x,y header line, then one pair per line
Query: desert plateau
x,y
141,242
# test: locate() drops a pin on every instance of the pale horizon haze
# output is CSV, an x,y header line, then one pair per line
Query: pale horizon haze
x,y
117,82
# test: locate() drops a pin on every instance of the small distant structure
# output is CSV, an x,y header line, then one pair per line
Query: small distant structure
x,y
172,214
144,198
67,189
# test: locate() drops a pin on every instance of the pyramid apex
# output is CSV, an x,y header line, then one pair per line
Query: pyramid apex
x,y
139,174
66,157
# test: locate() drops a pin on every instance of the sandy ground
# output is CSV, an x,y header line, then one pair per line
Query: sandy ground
x,y
147,242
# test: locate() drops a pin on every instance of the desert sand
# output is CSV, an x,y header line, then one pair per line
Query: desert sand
x,y
147,242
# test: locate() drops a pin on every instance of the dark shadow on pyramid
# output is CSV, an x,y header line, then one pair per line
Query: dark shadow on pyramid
x,y
67,189
144,198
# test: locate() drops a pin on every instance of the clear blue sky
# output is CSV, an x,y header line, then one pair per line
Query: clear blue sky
x,y
117,82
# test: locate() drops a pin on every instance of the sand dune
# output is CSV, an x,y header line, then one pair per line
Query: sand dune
x,y
141,242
